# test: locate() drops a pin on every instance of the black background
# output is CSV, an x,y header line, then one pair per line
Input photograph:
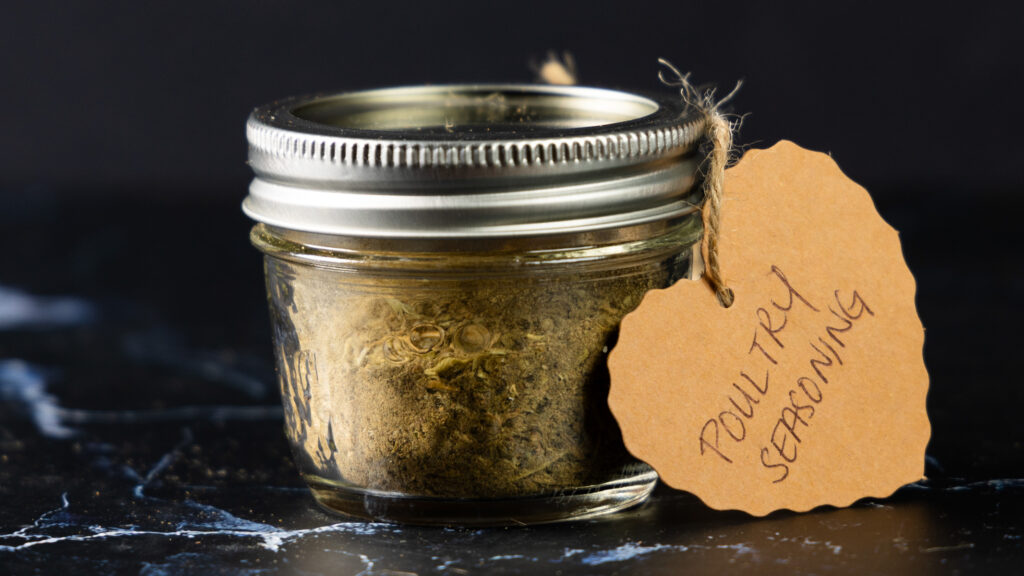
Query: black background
x,y
123,144
154,95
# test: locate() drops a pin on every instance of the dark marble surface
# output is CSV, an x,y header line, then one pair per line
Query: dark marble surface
x,y
140,431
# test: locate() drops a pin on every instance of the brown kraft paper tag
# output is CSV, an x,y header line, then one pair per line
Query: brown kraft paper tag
x,y
810,389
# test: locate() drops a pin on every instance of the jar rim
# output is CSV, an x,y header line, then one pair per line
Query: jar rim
x,y
457,113
575,254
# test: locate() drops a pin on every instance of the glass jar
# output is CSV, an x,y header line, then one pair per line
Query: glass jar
x,y
446,271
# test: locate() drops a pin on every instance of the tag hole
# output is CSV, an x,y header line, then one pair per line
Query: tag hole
x,y
726,297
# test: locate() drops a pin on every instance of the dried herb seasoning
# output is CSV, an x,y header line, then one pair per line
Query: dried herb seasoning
x,y
484,388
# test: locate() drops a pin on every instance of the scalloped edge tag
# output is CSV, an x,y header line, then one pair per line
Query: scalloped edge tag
x,y
810,389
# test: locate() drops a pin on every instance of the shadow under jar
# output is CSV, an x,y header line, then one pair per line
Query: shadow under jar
x,y
446,271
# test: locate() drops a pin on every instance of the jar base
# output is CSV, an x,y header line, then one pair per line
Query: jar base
x,y
563,506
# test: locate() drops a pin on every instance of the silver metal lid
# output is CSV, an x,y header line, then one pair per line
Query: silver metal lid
x,y
472,161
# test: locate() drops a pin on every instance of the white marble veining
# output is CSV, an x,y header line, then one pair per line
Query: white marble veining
x,y
19,309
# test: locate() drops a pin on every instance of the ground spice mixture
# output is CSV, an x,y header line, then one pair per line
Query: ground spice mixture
x,y
452,387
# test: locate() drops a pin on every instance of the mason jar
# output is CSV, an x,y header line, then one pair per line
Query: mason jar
x,y
446,270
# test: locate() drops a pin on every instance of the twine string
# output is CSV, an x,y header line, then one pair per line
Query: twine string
x,y
719,141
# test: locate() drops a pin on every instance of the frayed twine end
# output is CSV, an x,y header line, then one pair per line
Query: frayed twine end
x,y
557,69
